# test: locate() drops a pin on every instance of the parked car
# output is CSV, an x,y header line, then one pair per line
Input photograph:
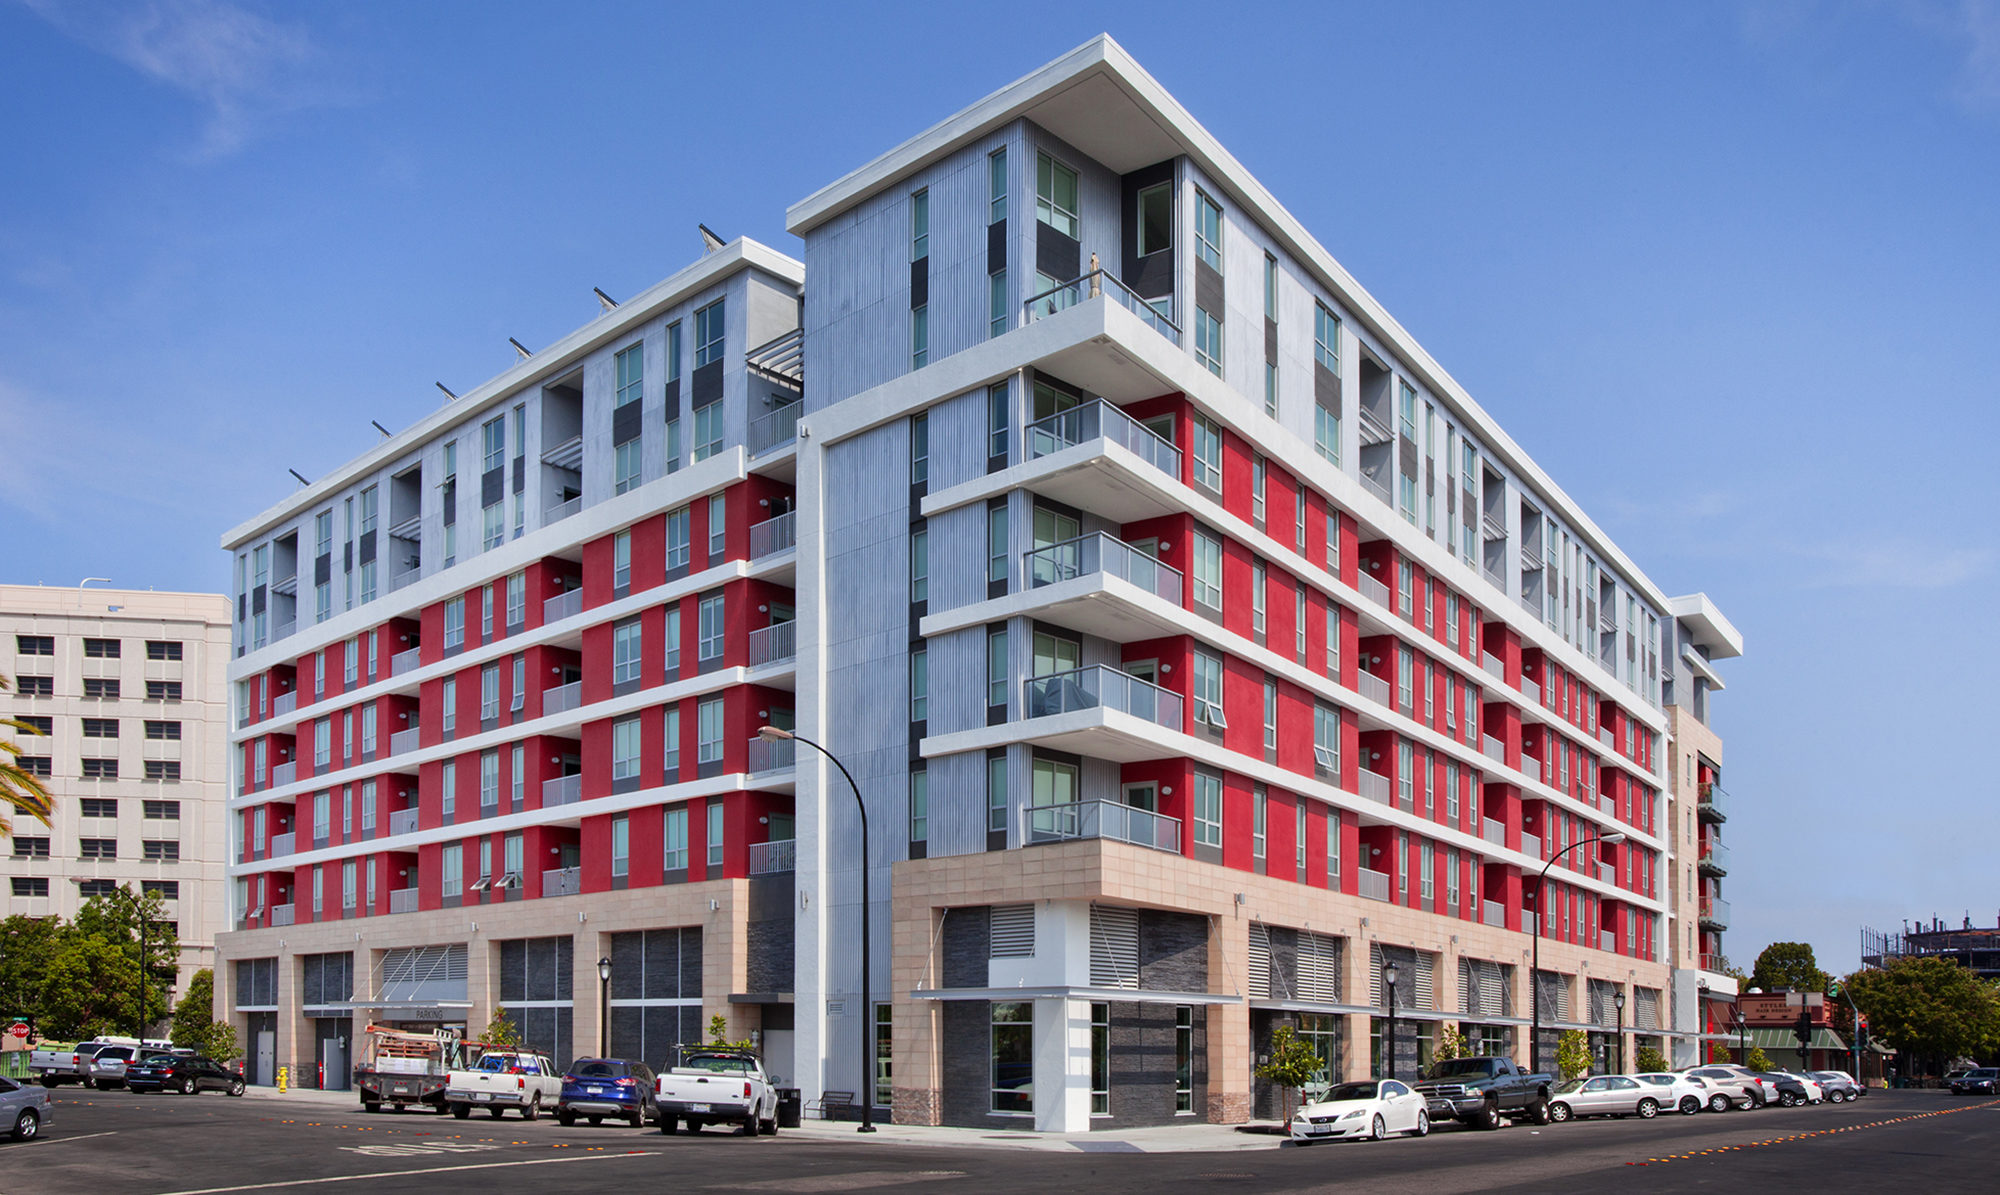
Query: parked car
x,y
1371,1108
26,1109
1730,1087
1980,1080
1791,1090
596,1088
1686,1093
106,1068
1855,1088
1604,1095
716,1086
401,1069
519,1079
1815,1093
1479,1091
185,1073
59,1064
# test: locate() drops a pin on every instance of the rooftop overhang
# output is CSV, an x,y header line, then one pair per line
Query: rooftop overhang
x,y
1706,625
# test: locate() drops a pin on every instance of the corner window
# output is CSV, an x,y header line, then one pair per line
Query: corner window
x,y
1154,218
1055,196
1208,341
996,174
1208,230
1013,1052
708,333
920,225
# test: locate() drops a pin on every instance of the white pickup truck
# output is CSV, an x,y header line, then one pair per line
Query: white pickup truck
x,y
55,1065
713,1085
519,1079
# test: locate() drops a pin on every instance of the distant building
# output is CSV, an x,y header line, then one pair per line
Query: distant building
x,y
130,687
1976,949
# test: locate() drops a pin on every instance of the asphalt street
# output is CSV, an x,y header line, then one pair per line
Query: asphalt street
x,y
115,1143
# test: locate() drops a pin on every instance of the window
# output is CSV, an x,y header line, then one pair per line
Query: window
x,y
167,649
996,543
621,561
448,701
1207,690
31,848
40,724
627,466
708,731
157,851
996,303
368,730
996,421
675,856
1259,577
707,431
1207,555
920,336
672,758
100,769
1270,714
489,780
920,564
1155,218
34,765
629,369
100,649
920,684
996,667
673,637
454,623
30,885
1208,340
1055,196
709,632
97,848
678,538
1425,885
94,688
322,743
1207,809
100,728
1406,776
920,449
996,790
1326,741
1259,827
920,803
625,749
34,645
90,888
161,690
1451,791
1207,453
714,832
1207,230
625,649
45,686
718,528
996,175
1013,1055
708,333
1406,669
163,731
163,769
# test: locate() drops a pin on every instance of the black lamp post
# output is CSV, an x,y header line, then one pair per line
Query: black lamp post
x,y
1618,1002
603,1008
1535,971
772,734
1389,1048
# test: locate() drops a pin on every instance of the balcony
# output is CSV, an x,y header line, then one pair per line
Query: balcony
x,y
780,533
1101,686
284,914
775,429
567,604
772,644
1606,739
405,661
1714,913
1493,832
1533,767
1373,428
1714,858
782,360
1375,592
284,629
1606,873
285,773
562,881
558,511
407,576
403,900
776,857
1377,485
284,704
1375,689
1494,913
1374,884
282,844
1101,819
1101,553
1531,845
767,756
1100,420
404,740
1090,286
562,790
1376,787
1714,803
1493,749
1494,667
402,821
562,698
1531,690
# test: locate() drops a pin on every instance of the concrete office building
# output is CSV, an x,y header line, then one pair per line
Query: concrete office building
x,y
129,689
1207,659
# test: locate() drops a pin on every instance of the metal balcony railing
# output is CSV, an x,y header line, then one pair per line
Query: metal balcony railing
x,y
284,629
774,857
558,511
562,790
284,773
1101,819
1494,666
1494,913
284,914
1101,685
284,703
1101,553
1532,691
775,428
1532,766
1607,873
282,844
562,881
778,533
562,698
1090,286
1531,845
779,641
403,900
404,740
767,756
1374,884
1493,832
1095,419
1607,739
566,604
1493,749
1376,787
1376,483
407,576
1375,591
402,821
1374,688
405,661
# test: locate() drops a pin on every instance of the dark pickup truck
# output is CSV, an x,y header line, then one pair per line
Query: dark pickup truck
x,y
1480,1091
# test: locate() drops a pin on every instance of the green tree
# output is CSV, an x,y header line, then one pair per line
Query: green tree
x,y
26,946
1451,1043
1759,1061
1651,1061
1789,966
718,1035
125,919
195,1026
501,1030
20,790
1930,1009
1291,1064
91,987
1573,1054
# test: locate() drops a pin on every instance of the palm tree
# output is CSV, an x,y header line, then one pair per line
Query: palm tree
x,y
20,788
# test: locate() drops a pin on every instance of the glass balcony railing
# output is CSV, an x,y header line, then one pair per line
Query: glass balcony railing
x,y
1092,285
562,698
1095,419
1102,553
1102,819
1715,912
562,790
1715,857
403,821
1101,685
282,844
1714,802
563,605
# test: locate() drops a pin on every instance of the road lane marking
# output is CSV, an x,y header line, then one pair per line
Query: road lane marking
x,y
84,1137
1815,1133
354,1178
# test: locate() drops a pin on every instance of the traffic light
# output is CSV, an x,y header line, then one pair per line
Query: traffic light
x,y
1803,1030
1861,1034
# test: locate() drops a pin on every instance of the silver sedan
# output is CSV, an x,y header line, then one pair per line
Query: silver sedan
x,y
1605,1095
26,1109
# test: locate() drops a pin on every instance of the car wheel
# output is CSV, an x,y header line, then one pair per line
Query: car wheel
x,y
1787,1100
461,1110
1559,1112
1648,1109
101,1084
26,1126
566,1118
534,1108
187,1087
636,1120
749,1126
235,1087
1489,1114
771,1126
1377,1130
1690,1105
1538,1111
1423,1128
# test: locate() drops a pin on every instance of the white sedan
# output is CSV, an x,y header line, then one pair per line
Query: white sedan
x,y
1606,1095
1372,1108
1689,1093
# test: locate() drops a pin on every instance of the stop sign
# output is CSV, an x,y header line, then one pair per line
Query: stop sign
x,y
19,1029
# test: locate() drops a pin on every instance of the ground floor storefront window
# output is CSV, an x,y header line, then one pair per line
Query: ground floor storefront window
x,y
1013,1054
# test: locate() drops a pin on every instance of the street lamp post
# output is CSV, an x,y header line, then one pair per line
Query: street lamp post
x,y
1618,1002
772,734
604,1008
1535,970
1389,1048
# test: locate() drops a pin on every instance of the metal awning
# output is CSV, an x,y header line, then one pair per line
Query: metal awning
x,y
1068,992
1783,1039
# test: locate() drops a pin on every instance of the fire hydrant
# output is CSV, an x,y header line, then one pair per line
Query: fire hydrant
x,y
284,1073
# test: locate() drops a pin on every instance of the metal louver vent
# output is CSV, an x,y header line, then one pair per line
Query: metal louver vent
x,y
1646,1009
1416,983
1012,931
1260,961
1482,988
1319,967
1114,947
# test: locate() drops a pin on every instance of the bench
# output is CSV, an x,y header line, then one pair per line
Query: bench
x,y
833,1105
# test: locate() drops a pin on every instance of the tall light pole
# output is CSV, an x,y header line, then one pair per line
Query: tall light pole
x,y
1535,970
1618,1002
772,734
604,1008
1389,1050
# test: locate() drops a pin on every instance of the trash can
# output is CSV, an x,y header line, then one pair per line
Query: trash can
x,y
789,1105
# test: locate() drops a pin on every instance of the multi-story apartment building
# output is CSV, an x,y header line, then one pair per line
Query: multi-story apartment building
x,y
1205,659
128,687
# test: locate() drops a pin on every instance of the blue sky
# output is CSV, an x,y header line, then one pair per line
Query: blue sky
x,y
1727,270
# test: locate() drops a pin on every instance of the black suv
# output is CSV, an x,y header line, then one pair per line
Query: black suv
x,y
185,1073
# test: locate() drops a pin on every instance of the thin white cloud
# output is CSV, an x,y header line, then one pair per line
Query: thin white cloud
x,y
1895,564
239,65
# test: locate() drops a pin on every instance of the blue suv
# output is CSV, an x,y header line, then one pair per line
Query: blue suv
x,y
595,1088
